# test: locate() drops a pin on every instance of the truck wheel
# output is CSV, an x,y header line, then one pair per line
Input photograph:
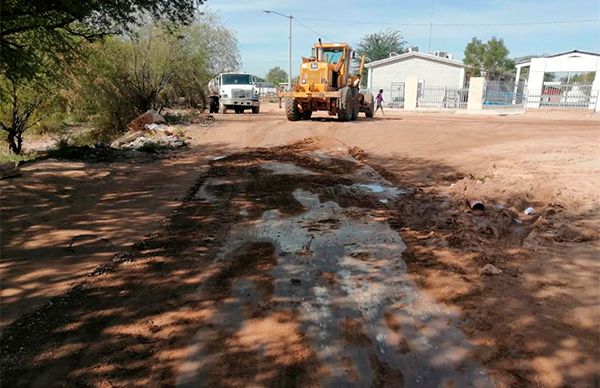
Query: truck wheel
x,y
222,108
213,105
239,110
291,110
355,104
255,109
306,114
345,104
369,105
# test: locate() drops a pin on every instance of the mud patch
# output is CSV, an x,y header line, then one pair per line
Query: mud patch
x,y
268,351
251,261
354,333
338,271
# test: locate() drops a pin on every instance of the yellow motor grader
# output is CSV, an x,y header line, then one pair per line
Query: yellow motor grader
x,y
325,84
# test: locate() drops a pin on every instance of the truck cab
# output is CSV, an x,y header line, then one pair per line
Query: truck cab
x,y
237,91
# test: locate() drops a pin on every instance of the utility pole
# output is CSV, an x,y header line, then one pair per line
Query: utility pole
x,y
290,17
290,57
430,27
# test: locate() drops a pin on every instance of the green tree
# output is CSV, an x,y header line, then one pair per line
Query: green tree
x,y
21,101
34,29
277,75
40,38
379,45
152,67
489,59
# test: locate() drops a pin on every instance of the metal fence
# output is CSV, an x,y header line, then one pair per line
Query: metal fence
x,y
565,95
393,96
504,94
431,96
497,95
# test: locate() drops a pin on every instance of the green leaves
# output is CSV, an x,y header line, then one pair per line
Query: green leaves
x,y
490,57
277,75
112,79
379,45
35,32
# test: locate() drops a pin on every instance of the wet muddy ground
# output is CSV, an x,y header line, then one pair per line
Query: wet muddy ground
x,y
280,268
312,264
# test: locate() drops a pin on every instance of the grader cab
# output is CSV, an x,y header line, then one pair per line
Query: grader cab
x,y
325,84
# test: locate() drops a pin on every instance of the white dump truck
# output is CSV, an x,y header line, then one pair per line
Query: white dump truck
x,y
237,91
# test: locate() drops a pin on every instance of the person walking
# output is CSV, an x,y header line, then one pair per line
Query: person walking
x,y
379,101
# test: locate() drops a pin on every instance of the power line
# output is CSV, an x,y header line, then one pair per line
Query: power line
x,y
459,24
309,28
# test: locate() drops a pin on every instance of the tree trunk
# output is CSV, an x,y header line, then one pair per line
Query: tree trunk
x,y
19,143
10,139
15,141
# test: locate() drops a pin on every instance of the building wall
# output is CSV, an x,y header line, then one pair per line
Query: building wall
x,y
573,62
432,72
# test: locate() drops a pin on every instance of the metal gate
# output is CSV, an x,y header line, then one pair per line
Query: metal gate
x,y
504,94
567,95
434,96
396,96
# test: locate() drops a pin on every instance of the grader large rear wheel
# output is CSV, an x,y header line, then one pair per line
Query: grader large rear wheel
x,y
291,110
345,105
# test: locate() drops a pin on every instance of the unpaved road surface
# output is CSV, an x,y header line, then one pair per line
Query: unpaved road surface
x,y
324,254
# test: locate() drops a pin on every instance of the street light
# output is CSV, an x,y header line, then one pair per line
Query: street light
x,y
290,17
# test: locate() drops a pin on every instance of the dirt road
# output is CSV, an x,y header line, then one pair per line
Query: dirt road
x,y
346,257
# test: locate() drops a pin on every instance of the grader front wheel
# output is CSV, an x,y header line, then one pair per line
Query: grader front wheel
x,y
291,110
345,104
369,105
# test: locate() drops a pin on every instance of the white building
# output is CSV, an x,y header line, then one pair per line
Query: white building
x,y
432,70
567,64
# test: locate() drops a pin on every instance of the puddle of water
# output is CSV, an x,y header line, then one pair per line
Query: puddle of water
x,y
373,187
203,194
387,191
280,168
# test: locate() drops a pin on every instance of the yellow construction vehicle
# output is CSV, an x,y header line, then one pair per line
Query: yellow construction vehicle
x,y
325,84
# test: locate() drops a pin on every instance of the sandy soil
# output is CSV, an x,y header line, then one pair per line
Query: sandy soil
x,y
201,290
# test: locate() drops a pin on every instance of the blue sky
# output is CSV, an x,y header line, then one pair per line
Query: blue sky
x,y
263,38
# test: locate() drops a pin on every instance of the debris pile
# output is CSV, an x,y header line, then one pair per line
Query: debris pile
x,y
149,131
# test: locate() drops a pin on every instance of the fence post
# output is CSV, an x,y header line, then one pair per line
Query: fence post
x,y
411,86
476,90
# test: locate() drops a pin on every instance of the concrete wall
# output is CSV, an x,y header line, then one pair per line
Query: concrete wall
x,y
476,91
411,86
432,72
